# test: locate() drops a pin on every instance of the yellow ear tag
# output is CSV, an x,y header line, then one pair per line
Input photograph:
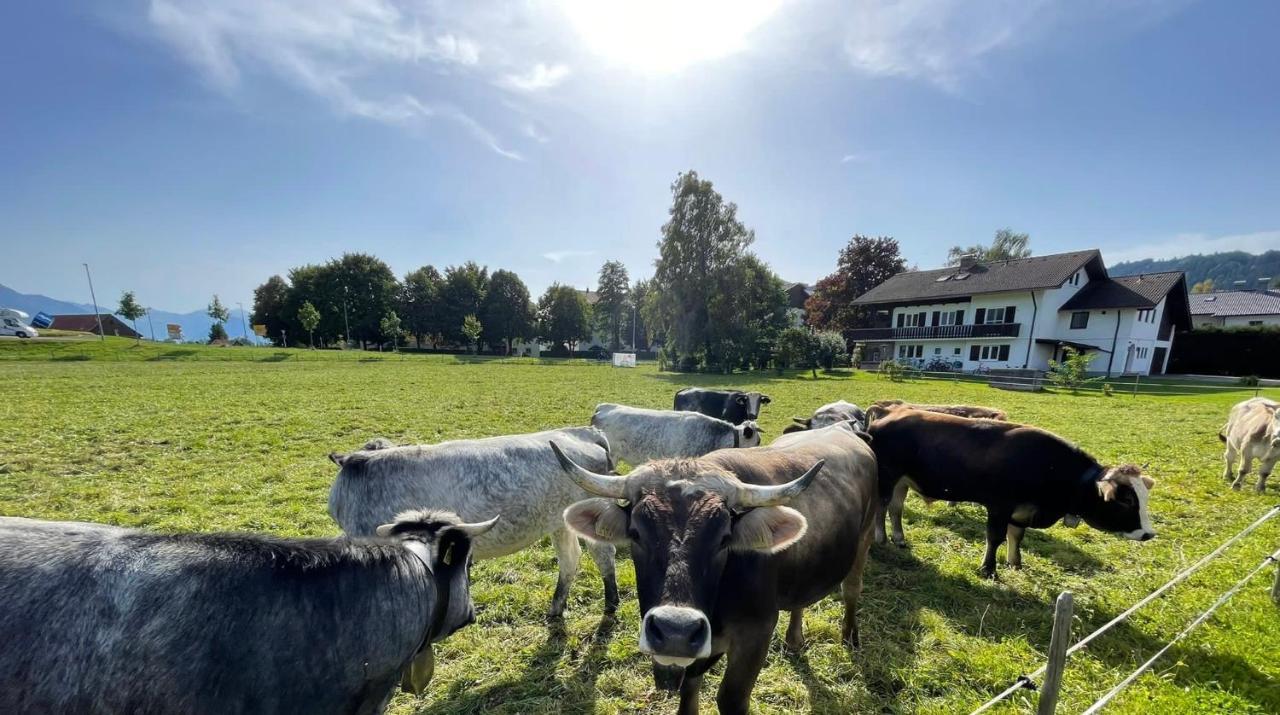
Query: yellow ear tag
x,y
418,674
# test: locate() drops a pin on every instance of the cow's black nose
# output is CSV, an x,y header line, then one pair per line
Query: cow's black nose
x,y
677,631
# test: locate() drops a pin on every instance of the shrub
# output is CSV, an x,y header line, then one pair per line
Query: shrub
x,y
893,370
830,348
1072,372
1249,381
796,347
1107,389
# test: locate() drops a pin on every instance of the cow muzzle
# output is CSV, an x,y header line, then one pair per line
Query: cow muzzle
x,y
675,635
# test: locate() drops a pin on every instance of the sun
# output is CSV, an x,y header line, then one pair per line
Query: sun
x,y
664,36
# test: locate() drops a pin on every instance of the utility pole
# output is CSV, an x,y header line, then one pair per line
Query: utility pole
x,y
633,326
345,321
151,326
284,339
243,327
102,334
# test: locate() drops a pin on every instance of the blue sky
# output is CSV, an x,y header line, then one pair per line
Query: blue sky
x,y
186,148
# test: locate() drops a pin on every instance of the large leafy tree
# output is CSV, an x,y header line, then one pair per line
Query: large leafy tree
x,y
748,309
702,239
1007,244
612,306
369,289
309,318
420,303
634,327
863,264
131,311
270,300
507,313
219,313
564,317
462,294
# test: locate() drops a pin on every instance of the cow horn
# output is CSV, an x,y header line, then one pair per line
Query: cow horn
x,y
605,485
475,529
752,495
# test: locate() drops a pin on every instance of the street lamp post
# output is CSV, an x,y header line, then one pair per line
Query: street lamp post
x,y
244,328
102,334
345,321
151,326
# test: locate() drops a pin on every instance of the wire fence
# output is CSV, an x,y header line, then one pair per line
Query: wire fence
x,y
1028,682
1120,385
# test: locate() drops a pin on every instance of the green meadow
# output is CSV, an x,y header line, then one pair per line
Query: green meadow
x,y
188,438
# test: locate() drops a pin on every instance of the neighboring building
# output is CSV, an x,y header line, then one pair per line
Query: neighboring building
x,y
1235,308
1024,312
797,294
111,324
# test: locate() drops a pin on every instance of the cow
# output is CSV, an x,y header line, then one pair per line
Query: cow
x,y
723,542
1024,476
638,435
880,408
102,619
829,414
512,475
732,406
1252,432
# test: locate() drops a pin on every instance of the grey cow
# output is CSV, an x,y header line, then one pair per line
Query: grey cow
x,y
100,619
514,475
638,435
1252,432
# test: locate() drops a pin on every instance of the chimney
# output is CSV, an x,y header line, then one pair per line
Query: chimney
x,y
967,262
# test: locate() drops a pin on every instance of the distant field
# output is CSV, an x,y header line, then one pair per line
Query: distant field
x,y
197,438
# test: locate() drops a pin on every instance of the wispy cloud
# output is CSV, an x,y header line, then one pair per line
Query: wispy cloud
x,y
532,131
560,256
850,158
1186,244
539,77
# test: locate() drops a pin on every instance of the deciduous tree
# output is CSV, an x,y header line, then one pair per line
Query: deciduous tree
x,y
611,305
1007,244
507,310
863,264
309,318
131,311
564,317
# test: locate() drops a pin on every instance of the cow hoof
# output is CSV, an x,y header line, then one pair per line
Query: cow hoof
x,y
795,645
989,573
1016,567
1260,488
900,543
1236,486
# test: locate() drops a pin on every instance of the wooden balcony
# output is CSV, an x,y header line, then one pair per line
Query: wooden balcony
x,y
938,332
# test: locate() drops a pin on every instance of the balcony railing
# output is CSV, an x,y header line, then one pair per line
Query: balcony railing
x,y
938,332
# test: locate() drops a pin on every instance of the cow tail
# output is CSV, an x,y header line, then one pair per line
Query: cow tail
x,y
1222,434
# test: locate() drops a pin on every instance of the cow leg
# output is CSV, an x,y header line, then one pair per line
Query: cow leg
x,y
746,660
1014,556
997,523
795,630
1264,471
851,591
1245,465
1229,457
568,554
603,554
692,683
895,512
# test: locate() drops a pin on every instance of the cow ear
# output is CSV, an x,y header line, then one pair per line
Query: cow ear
x,y
1107,488
597,520
765,399
338,458
1148,481
740,399
769,529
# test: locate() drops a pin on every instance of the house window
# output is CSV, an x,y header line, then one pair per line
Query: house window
x,y
937,351
988,352
1255,323
1080,320
956,351
910,351
995,315
1147,315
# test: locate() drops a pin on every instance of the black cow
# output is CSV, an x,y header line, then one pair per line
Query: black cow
x,y
731,406
1026,477
99,619
717,554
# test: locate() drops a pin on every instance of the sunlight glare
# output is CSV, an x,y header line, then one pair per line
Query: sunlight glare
x,y
661,36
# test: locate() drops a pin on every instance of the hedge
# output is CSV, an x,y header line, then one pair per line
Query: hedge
x,y
1227,351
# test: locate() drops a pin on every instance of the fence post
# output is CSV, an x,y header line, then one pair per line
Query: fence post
x,y
1136,378
1275,587
1058,642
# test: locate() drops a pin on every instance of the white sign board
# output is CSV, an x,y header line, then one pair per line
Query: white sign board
x,y
624,359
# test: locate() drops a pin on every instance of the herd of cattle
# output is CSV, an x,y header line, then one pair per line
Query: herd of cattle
x,y
723,533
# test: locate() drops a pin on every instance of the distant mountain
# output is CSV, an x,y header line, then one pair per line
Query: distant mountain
x,y
1224,268
195,325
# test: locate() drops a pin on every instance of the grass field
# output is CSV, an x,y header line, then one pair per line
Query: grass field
x,y
189,438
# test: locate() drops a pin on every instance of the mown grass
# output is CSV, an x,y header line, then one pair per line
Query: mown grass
x,y
219,438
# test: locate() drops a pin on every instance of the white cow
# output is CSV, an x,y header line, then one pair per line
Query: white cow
x,y
639,435
1252,432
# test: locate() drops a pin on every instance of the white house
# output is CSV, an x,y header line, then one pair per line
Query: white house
x,y
1024,312
1235,308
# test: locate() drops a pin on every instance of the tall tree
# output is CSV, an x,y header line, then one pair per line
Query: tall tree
x,y
863,264
309,317
748,309
461,295
1007,244
220,314
389,327
611,304
702,238
270,300
472,329
507,311
634,327
1204,286
369,289
420,303
564,317
131,311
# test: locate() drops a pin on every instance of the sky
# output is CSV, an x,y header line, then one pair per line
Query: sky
x,y
186,148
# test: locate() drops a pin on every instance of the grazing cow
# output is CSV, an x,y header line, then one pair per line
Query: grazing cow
x,y
880,408
100,619
513,475
1252,432
827,415
638,435
724,542
731,406
1026,477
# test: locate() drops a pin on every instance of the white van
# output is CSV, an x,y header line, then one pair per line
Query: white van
x,y
14,323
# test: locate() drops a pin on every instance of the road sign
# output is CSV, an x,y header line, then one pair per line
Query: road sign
x,y
175,331
624,359
260,330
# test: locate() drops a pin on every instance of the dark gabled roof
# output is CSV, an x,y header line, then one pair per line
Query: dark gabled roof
x,y
1236,302
995,277
89,324
1140,291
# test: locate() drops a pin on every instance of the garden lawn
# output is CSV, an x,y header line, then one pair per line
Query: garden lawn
x,y
192,438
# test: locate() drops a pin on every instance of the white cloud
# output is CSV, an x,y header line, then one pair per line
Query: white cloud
x,y
1186,244
541,76
850,158
532,131
560,256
